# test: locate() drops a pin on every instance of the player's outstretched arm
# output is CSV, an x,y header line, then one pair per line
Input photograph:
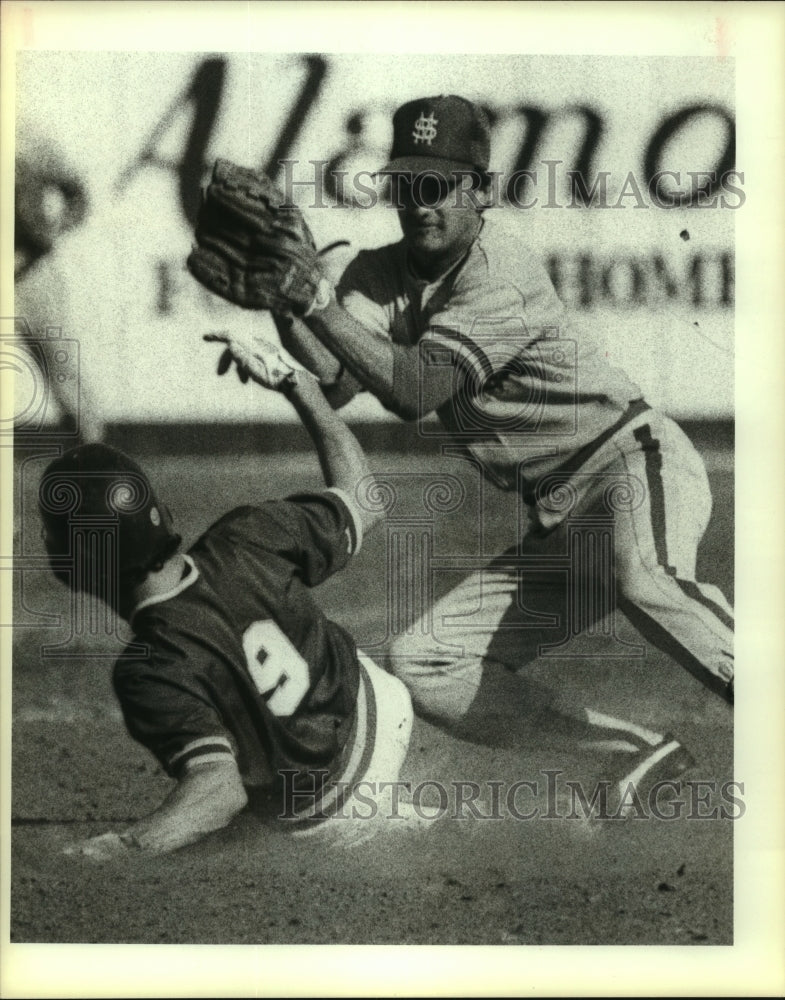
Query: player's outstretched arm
x,y
341,458
206,799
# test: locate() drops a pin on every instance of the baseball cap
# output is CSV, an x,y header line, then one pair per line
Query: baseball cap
x,y
440,134
96,484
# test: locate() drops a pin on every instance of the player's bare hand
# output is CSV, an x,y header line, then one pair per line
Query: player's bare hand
x,y
255,358
101,848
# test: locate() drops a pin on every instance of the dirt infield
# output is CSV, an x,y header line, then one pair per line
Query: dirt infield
x,y
457,879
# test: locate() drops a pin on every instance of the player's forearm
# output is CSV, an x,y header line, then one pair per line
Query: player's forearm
x,y
338,385
205,800
341,457
388,370
298,340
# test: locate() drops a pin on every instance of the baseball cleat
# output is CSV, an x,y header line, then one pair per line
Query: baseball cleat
x,y
649,767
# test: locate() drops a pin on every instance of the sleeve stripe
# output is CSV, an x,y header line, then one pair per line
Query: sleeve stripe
x,y
207,744
355,527
468,350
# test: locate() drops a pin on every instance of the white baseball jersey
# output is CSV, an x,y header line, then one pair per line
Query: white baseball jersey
x,y
520,384
526,390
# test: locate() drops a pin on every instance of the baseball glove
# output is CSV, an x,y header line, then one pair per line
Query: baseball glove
x,y
253,248
257,359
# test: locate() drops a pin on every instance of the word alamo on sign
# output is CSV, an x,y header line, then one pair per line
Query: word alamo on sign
x,y
673,133
549,796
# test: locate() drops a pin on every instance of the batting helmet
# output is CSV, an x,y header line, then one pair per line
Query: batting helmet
x,y
101,490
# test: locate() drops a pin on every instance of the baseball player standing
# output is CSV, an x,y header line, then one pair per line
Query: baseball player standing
x,y
246,687
458,319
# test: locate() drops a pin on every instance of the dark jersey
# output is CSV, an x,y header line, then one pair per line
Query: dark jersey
x,y
241,659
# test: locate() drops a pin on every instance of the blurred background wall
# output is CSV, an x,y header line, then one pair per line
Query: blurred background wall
x,y
139,131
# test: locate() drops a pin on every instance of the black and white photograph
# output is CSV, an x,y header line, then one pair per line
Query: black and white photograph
x,y
382,384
